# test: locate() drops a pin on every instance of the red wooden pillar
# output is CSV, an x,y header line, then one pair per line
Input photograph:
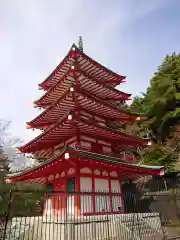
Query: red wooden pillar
x,y
77,195
59,198
121,194
93,195
110,191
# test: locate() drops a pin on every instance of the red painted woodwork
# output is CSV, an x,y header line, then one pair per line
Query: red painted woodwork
x,y
87,64
87,84
77,158
77,189
80,103
86,145
62,131
93,190
58,201
59,197
88,104
110,190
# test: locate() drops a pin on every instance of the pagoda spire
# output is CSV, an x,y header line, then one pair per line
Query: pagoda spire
x,y
80,44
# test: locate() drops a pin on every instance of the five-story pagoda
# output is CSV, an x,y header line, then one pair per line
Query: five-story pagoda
x,y
78,149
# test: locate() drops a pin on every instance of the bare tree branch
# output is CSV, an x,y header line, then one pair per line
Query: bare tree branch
x,y
7,144
5,137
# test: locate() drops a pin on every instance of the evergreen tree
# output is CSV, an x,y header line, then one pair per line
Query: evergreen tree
x,y
162,101
160,104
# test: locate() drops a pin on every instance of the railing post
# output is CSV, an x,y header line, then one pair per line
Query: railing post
x,y
7,214
71,232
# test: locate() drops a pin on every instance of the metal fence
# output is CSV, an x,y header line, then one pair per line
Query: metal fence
x,y
25,215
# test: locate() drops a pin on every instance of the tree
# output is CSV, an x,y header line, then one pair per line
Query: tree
x,y
161,104
162,100
7,143
5,137
4,165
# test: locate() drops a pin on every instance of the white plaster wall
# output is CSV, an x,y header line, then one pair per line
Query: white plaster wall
x,y
86,204
116,203
85,144
101,185
85,170
115,186
86,201
106,149
116,200
102,203
85,184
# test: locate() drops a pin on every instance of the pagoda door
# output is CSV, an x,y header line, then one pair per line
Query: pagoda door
x,y
71,197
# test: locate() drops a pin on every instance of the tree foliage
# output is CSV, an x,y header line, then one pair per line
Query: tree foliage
x,y
161,105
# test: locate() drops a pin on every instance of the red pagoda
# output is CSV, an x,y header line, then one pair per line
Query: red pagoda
x,y
79,147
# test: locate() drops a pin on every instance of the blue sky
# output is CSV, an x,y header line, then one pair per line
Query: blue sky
x,y
129,36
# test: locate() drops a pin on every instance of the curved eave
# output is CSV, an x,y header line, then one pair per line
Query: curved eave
x,y
56,164
156,170
118,78
66,103
102,91
64,129
109,76
48,82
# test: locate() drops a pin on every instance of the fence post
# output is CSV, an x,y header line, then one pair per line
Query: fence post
x,y
7,214
71,230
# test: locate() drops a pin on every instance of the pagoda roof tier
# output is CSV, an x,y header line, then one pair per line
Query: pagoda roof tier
x,y
84,143
89,85
72,125
87,64
79,98
69,158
